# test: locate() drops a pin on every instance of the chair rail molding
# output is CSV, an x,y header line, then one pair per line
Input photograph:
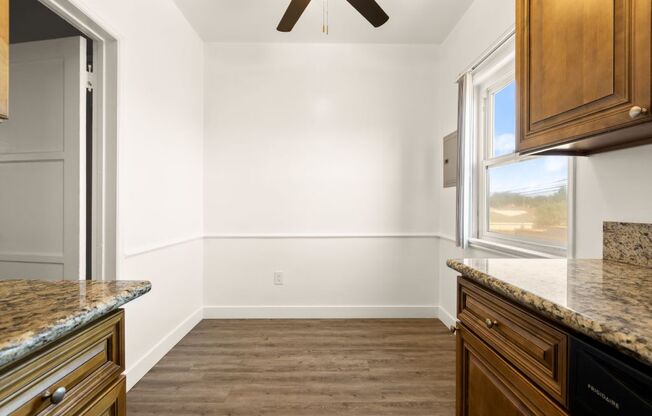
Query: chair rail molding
x,y
148,248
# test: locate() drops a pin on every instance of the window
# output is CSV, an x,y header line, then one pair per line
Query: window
x,y
518,201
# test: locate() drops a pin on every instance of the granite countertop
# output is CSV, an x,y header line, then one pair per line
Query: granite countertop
x,y
605,300
34,313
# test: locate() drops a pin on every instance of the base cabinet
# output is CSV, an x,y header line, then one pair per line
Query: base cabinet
x,y
494,371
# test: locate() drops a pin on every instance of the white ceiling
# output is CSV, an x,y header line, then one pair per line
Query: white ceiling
x,y
410,21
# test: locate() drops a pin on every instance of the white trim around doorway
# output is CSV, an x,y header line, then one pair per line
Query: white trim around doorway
x,y
105,136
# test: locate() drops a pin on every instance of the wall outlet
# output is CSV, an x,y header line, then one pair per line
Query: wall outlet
x,y
278,278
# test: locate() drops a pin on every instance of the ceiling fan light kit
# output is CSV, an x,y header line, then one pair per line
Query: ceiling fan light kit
x,y
369,9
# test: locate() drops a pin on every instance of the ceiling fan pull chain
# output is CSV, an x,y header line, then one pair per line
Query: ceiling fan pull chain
x,y
327,20
324,25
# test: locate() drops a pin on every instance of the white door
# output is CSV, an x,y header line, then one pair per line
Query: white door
x,y
42,162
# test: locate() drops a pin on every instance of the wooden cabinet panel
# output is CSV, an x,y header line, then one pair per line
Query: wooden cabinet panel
x,y
562,79
488,385
582,65
4,59
533,347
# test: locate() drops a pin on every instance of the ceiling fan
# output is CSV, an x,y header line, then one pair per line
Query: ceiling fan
x,y
369,9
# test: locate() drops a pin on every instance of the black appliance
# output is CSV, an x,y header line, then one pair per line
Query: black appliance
x,y
606,383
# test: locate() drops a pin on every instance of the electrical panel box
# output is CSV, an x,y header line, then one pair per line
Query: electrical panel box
x,y
450,160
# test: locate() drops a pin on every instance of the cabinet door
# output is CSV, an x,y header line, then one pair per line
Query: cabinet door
x,y
112,403
582,65
487,385
4,59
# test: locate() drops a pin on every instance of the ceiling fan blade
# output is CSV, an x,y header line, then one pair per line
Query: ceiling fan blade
x,y
371,11
292,15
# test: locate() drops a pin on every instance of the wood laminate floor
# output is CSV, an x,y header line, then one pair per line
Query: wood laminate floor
x,y
400,367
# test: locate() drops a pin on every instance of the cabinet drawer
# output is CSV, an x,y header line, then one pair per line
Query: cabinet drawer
x,y
84,362
488,385
535,348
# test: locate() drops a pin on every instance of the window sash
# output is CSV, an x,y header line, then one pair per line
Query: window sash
x,y
483,230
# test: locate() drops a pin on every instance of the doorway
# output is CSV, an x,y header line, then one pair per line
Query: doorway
x,y
58,149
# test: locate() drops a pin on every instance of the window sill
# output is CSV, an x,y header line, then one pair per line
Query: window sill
x,y
511,250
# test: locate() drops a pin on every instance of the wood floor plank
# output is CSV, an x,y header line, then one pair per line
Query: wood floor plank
x,y
361,367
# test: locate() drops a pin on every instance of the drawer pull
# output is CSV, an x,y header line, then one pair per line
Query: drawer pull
x,y
57,396
490,324
637,111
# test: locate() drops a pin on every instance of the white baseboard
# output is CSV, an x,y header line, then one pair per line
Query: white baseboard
x,y
319,312
448,319
158,351
311,236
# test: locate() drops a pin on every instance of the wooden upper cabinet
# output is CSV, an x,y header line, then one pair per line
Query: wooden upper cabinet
x,y
4,59
583,75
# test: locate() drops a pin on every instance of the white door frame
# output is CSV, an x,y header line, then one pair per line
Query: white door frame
x,y
105,137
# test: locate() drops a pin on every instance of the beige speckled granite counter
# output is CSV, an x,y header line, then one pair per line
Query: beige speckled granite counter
x,y
606,300
34,313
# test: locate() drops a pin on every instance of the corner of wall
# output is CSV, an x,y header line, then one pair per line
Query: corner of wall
x,y
147,361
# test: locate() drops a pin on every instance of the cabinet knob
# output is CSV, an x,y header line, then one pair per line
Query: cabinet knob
x,y
57,396
637,111
453,329
489,323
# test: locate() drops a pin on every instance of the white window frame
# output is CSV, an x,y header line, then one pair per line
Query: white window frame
x,y
496,72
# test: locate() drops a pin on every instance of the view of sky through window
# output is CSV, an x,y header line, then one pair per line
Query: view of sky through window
x,y
504,132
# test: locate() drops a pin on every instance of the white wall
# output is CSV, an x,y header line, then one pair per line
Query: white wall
x,y
160,145
310,139
610,186
323,277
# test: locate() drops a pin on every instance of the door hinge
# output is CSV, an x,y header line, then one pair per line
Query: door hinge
x,y
90,78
